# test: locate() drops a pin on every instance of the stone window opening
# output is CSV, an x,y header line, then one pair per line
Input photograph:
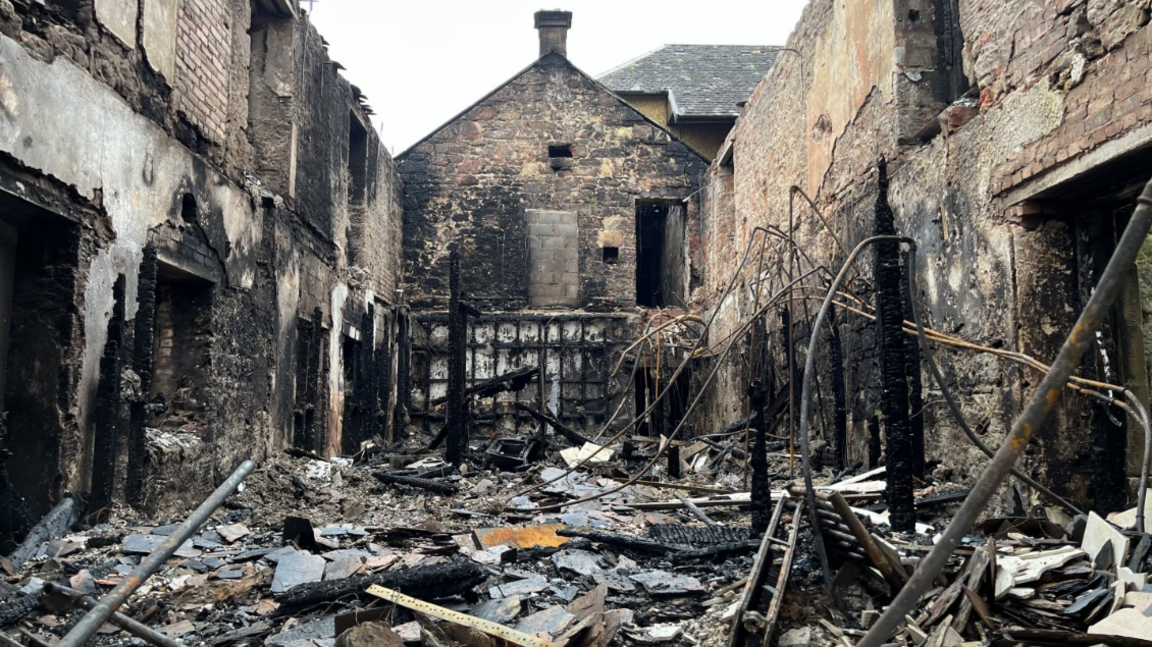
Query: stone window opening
x,y
660,255
188,210
357,161
611,255
182,346
560,150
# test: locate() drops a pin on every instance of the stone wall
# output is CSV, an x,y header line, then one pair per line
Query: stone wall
x,y
991,187
471,182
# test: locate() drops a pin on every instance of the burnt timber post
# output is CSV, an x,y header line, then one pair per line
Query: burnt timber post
x,y
457,435
108,405
894,399
143,360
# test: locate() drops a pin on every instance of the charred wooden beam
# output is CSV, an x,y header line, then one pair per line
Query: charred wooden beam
x,y
839,395
890,321
875,449
416,482
572,436
429,582
108,399
456,422
55,524
403,377
510,381
143,360
758,463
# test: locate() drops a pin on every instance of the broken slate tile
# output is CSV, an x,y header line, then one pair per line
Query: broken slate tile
x,y
668,584
275,555
297,567
230,574
165,530
502,610
523,587
567,593
334,555
343,567
551,621
255,553
144,544
580,562
319,628
233,533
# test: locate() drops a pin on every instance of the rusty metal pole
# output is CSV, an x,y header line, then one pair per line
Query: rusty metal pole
x,y
140,630
1043,400
108,605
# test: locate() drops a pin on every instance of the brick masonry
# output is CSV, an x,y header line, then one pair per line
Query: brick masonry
x,y
203,57
1060,87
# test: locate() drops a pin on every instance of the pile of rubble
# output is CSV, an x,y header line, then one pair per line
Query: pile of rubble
x,y
400,547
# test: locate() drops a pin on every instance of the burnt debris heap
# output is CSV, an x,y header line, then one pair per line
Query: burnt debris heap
x,y
598,362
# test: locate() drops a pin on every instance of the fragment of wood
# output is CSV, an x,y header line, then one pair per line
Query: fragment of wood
x,y
735,498
756,577
1065,638
14,610
943,603
296,452
412,481
53,526
971,577
685,487
980,606
650,440
510,381
893,573
573,437
695,510
1099,532
717,551
623,541
777,602
434,581
486,626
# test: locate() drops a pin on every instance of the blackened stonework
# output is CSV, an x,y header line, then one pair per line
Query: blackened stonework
x,y
473,181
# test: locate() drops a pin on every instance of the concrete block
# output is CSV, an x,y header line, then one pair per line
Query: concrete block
x,y
119,17
159,37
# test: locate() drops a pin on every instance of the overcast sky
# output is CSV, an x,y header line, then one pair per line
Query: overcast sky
x,y
420,62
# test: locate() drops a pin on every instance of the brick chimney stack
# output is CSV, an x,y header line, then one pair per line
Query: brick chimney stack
x,y
553,27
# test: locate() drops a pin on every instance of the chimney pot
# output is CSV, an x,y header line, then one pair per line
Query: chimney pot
x,y
553,27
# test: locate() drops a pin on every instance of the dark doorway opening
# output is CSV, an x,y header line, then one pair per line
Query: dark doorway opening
x,y
38,266
182,351
660,257
1096,207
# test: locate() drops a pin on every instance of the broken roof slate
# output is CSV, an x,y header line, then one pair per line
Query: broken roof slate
x,y
701,80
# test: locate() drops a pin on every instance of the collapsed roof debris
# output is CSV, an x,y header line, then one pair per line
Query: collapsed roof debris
x,y
555,378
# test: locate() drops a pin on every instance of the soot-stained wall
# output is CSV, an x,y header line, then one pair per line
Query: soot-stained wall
x,y
112,141
988,187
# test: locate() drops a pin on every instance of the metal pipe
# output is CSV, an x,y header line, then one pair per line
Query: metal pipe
x,y
138,629
1043,399
83,631
806,396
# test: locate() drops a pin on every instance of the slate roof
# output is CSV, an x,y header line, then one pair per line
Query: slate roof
x,y
701,80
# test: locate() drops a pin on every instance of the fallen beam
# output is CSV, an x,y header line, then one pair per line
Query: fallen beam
x,y
416,482
484,626
53,526
436,581
572,436
510,381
